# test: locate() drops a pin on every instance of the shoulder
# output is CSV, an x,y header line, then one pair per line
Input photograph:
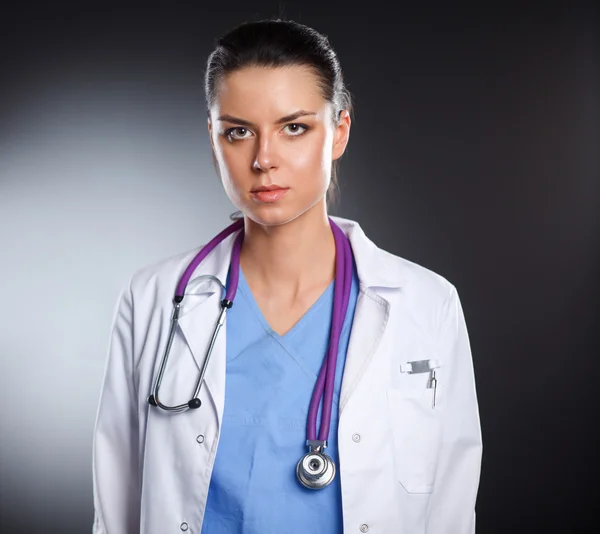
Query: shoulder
x,y
383,270
423,291
160,278
427,299
420,280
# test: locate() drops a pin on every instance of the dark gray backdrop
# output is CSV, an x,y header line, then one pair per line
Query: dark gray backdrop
x,y
474,152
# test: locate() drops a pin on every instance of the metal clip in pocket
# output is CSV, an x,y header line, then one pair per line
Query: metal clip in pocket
x,y
419,366
424,366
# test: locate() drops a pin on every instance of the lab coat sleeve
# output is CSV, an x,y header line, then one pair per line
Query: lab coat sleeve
x,y
116,475
459,462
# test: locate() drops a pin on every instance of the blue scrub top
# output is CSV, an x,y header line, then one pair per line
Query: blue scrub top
x,y
269,384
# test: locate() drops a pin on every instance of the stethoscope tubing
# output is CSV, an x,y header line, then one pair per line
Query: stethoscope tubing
x,y
324,386
326,379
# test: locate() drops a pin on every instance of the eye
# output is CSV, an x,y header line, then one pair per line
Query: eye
x,y
295,129
237,133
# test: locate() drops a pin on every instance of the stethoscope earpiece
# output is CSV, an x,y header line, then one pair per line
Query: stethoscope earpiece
x,y
194,403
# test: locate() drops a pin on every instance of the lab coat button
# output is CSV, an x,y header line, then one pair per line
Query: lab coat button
x,y
356,439
364,528
183,526
200,439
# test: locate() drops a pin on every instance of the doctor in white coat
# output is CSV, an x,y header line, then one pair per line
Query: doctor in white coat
x,y
407,436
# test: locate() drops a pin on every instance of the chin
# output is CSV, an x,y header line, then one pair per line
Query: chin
x,y
266,215
269,217
282,211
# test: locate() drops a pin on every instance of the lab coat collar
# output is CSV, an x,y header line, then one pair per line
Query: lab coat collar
x,y
373,264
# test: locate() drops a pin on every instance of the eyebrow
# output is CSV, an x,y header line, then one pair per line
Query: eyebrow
x,y
281,120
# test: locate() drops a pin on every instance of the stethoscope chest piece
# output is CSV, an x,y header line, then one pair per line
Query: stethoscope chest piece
x,y
316,469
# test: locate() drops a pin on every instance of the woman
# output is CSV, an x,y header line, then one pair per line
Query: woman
x,y
340,393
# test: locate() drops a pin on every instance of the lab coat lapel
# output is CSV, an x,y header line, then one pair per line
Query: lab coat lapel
x,y
370,320
375,272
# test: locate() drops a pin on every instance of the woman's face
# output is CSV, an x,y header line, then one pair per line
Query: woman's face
x,y
270,128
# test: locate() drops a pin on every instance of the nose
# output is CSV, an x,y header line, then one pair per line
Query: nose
x,y
265,158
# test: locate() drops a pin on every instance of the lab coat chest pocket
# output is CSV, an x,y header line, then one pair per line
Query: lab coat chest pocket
x,y
416,427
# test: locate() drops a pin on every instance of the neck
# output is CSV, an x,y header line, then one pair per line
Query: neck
x,y
291,258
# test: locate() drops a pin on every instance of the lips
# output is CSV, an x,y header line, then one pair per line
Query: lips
x,y
271,187
268,194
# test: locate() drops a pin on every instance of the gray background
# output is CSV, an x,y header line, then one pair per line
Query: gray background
x,y
474,152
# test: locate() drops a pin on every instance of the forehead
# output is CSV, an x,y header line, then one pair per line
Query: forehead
x,y
266,90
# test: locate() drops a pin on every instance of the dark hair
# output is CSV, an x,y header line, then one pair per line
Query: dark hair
x,y
280,43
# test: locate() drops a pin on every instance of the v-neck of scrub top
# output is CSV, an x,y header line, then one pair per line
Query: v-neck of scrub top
x,y
244,288
269,383
292,342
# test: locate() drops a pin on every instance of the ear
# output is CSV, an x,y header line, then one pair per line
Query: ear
x,y
341,134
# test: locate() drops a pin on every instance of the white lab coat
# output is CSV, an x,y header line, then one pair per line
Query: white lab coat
x,y
406,467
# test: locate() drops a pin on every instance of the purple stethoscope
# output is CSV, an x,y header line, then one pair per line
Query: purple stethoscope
x,y
315,469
